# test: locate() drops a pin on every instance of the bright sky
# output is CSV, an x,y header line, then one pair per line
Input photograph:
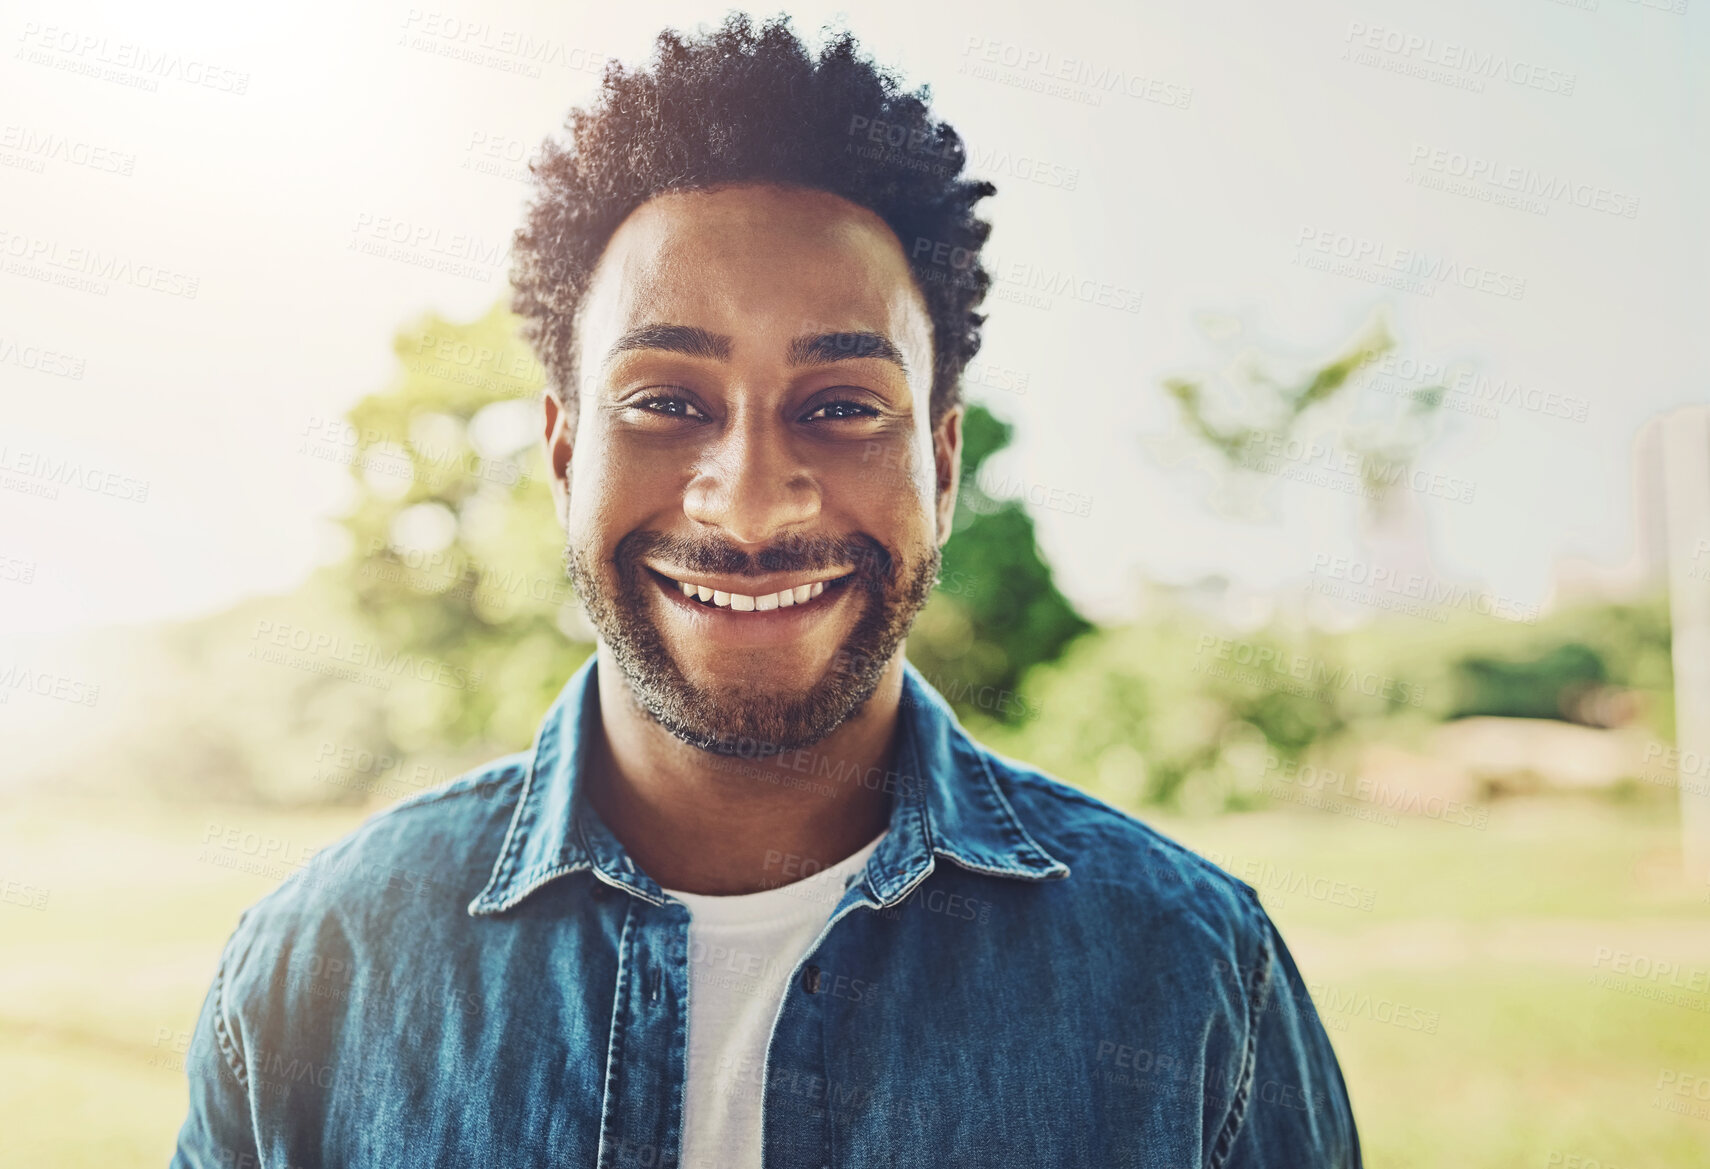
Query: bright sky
x,y
1242,144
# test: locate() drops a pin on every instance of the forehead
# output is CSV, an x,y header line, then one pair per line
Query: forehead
x,y
762,264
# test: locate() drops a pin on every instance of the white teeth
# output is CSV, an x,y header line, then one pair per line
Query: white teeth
x,y
743,603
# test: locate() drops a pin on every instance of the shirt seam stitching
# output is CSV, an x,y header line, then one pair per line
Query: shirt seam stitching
x,y
502,868
1014,819
222,1030
615,1044
1254,1006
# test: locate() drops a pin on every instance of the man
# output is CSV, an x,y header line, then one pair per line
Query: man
x,y
752,896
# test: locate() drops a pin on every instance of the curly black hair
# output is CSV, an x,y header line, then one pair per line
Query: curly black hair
x,y
744,105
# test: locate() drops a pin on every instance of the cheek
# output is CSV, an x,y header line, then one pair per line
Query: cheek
x,y
611,494
891,494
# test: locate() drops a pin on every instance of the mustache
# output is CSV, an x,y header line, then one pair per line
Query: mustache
x,y
797,553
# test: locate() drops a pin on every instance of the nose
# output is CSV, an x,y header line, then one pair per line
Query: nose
x,y
753,484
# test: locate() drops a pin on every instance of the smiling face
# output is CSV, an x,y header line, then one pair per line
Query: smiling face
x,y
753,491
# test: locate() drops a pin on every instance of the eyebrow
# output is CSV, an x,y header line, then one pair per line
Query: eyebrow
x,y
814,349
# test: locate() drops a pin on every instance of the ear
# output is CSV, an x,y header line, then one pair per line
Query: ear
x,y
947,459
559,439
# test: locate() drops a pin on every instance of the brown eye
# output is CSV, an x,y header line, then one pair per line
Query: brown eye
x,y
671,406
835,411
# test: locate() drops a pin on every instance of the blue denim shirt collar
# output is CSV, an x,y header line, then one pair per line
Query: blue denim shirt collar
x,y
946,803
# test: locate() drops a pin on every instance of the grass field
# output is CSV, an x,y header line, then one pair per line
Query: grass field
x,y
1494,994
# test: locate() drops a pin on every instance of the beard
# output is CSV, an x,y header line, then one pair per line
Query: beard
x,y
733,718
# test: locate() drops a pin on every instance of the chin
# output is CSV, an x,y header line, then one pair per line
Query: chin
x,y
754,674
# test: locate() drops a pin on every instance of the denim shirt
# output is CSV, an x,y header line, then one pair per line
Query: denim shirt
x,y
1021,975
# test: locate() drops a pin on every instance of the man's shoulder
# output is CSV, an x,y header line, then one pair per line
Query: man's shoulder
x,y
402,867
1111,853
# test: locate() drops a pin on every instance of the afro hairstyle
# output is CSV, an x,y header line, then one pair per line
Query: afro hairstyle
x,y
745,105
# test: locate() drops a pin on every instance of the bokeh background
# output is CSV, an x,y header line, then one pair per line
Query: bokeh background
x,y
1337,500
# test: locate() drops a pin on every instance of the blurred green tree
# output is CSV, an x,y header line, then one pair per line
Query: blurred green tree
x,y
454,555
1258,412
997,612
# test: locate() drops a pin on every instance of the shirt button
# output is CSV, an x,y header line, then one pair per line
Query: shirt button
x,y
810,980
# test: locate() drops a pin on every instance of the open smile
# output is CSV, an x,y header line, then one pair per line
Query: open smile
x,y
720,593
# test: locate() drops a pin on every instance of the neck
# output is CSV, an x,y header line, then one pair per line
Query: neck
x,y
705,823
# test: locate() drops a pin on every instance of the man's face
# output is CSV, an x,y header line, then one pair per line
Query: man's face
x,y
753,492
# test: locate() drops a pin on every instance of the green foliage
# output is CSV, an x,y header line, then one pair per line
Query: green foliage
x,y
1528,688
997,613
1178,711
1273,408
455,555
1172,710
1278,405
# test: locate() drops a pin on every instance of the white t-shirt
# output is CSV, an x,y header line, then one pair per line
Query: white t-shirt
x,y
742,950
